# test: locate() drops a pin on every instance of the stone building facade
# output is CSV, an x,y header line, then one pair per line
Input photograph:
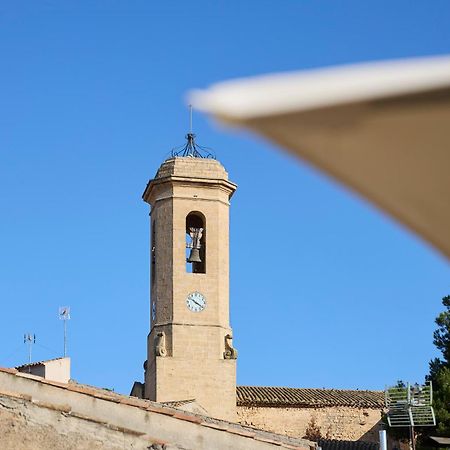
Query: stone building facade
x,y
189,350
189,398
41,414
348,415
190,354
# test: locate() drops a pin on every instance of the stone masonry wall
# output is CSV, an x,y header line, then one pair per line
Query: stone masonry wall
x,y
25,426
343,423
193,366
41,414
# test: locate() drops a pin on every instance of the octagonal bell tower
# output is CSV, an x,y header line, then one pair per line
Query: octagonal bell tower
x,y
189,348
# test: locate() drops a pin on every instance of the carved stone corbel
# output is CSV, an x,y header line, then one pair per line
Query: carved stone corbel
x,y
160,344
230,352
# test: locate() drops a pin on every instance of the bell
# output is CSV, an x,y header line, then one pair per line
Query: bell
x,y
194,257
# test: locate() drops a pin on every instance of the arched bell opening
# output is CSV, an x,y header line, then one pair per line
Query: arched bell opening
x,y
195,243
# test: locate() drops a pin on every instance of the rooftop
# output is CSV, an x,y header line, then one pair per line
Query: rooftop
x,y
308,398
38,363
112,410
333,444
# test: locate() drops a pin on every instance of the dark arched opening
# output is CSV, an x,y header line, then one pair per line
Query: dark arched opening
x,y
195,243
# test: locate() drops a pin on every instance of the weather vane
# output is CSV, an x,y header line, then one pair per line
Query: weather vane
x,y
191,148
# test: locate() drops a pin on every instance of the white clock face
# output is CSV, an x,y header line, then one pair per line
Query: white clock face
x,y
196,301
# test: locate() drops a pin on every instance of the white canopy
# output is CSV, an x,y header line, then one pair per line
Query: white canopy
x,y
383,129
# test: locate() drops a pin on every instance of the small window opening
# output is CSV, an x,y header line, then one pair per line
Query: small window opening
x,y
195,243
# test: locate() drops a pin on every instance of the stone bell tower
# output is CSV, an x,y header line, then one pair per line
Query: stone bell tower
x,y
189,348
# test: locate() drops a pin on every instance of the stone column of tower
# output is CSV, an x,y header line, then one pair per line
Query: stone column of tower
x,y
189,350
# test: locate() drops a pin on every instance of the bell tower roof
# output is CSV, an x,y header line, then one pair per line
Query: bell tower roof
x,y
192,168
187,169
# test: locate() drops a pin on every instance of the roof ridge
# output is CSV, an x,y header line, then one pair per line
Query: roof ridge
x,y
308,388
159,408
36,363
271,396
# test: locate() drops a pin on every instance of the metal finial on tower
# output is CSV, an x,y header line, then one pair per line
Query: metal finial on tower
x,y
191,148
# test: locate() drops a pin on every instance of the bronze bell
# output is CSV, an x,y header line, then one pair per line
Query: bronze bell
x,y
194,257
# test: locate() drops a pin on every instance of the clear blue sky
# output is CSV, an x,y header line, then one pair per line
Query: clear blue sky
x,y
92,101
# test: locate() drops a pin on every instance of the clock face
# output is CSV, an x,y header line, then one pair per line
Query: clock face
x,y
196,301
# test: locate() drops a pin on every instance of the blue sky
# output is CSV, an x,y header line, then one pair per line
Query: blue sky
x,y
93,100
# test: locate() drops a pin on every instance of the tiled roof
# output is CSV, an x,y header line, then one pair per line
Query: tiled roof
x,y
333,444
158,408
308,398
37,363
178,403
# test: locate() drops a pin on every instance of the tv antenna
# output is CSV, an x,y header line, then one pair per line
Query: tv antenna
x,y
410,406
64,315
29,339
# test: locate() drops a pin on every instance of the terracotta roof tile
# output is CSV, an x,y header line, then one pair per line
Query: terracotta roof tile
x,y
176,404
308,398
188,417
333,444
4,369
37,363
159,408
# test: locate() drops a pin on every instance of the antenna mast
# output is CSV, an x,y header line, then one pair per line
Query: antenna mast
x,y
64,314
191,149
29,339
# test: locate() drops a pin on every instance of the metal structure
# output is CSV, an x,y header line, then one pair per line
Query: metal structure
x,y
410,406
383,440
64,314
191,148
29,339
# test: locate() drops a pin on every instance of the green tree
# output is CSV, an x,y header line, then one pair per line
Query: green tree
x,y
441,401
441,338
440,371
440,377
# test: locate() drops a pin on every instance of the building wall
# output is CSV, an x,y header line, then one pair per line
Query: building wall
x,y
58,370
25,426
40,414
211,381
344,423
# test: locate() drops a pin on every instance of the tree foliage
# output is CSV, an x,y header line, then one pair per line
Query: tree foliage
x,y
441,337
440,371
440,377
313,432
441,401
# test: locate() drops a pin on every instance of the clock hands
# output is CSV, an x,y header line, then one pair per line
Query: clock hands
x,y
196,302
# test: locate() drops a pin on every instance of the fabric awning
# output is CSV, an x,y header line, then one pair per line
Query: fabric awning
x,y
383,129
